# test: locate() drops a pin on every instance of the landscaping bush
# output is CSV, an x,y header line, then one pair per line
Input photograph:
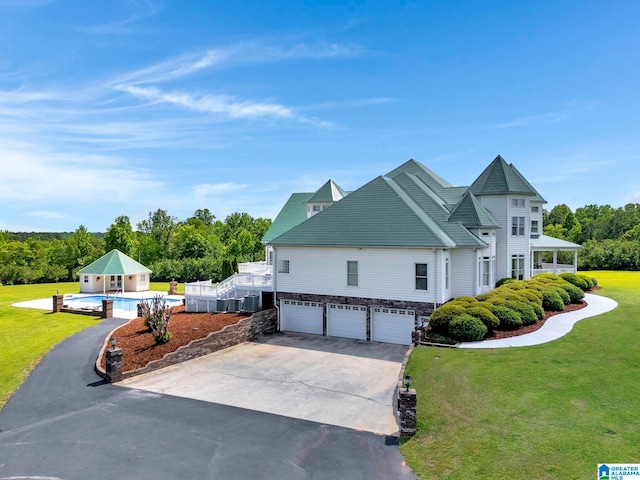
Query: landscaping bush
x,y
591,282
487,305
465,299
527,315
538,310
531,295
566,299
503,281
509,319
467,328
156,314
575,280
442,317
484,315
546,277
485,296
552,301
516,285
575,294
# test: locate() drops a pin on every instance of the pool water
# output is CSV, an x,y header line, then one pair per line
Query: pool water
x,y
119,303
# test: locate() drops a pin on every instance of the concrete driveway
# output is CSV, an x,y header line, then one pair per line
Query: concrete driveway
x,y
334,381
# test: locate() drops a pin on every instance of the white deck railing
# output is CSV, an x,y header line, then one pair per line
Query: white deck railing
x,y
551,268
228,287
256,268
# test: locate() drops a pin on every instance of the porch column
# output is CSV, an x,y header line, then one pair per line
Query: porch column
x,y
555,261
575,261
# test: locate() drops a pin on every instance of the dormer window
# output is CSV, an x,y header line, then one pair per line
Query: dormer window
x,y
517,202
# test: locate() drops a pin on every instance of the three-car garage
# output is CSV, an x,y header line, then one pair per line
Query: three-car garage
x,y
378,324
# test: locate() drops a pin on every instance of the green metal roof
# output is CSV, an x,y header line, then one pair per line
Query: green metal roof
x,y
381,213
330,192
293,213
470,213
501,178
114,263
447,193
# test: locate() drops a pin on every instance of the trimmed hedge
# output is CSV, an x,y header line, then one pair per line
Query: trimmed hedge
x,y
552,301
484,315
576,294
509,319
539,311
467,328
575,280
442,317
566,299
504,281
527,315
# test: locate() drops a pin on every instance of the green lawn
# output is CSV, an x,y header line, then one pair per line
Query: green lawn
x,y
26,335
549,411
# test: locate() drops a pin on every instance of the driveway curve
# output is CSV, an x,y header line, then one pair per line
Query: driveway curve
x,y
65,423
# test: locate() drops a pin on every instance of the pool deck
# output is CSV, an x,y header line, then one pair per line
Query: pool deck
x,y
47,303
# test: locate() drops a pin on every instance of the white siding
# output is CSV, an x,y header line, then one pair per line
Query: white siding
x,y
382,273
463,266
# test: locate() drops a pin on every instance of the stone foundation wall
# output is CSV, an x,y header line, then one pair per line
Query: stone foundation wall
x,y
420,307
257,325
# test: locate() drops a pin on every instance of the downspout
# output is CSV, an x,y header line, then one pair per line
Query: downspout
x,y
274,276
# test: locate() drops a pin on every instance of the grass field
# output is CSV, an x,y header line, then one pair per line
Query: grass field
x,y
545,412
26,335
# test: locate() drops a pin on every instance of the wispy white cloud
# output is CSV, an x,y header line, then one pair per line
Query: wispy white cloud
x,y
141,9
544,118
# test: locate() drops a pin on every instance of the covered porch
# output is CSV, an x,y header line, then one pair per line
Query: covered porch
x,y
545,244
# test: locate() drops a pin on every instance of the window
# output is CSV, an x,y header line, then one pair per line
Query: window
x,y
486,272
517,202
535,209
317,208
421,276
446,274
143,278
283,266
86,279
534,226
352,273
517,267
517,226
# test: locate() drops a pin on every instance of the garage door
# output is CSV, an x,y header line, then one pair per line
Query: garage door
x,y
305,317
348,321
392,325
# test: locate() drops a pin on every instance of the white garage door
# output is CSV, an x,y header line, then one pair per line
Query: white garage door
x,y
305,317
347,321
392,325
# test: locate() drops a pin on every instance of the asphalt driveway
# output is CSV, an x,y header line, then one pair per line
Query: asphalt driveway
x,y
65,423
335,381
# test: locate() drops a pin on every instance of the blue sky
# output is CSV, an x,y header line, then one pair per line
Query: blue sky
x,y
122,107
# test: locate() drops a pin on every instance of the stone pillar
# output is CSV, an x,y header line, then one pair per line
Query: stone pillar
x,y
107,308
58,301
407,403
114,365
173,287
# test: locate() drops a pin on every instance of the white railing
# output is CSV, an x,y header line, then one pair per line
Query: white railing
x,y
256,268
228,287
551,268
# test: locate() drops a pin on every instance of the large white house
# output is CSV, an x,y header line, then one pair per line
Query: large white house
x,y
374,263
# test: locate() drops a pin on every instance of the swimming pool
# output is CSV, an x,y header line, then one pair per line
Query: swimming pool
x,y
119,303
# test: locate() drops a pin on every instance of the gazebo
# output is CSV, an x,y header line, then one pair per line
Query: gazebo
x,y
114,272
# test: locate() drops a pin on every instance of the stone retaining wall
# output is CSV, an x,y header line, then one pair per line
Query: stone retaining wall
x,y
257,325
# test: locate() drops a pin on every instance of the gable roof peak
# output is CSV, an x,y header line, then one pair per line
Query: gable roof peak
x,y
500,178
330,192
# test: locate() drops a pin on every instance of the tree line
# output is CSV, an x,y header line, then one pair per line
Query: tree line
x,y
200,247
610,237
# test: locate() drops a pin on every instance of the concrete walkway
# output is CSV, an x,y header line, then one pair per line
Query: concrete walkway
x,y
556,327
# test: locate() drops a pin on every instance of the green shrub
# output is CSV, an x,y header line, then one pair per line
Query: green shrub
x,y
575,294
552,301
503,281
497,300
485,296
509,319
538,310
532,295
536,286
156,314
465,299
489,306
591,282
442,317
546,277
516,285
575,280
467,328
484,315
566,299
527,315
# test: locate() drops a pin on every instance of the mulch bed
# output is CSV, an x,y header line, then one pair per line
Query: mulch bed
x,y
532,328
139,348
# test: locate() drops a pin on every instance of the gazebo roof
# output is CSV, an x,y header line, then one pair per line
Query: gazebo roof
x,y
114,263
